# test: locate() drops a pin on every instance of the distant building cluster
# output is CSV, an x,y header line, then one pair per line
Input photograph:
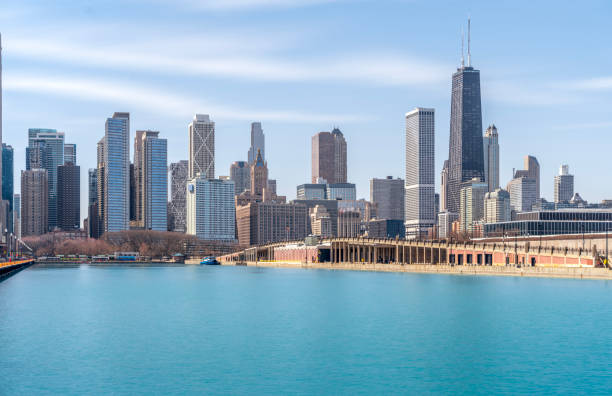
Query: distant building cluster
x,y
143,191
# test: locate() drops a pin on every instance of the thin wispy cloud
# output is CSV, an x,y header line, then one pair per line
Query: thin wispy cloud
x,y
153,100
364,68
235,5
592,84
524,93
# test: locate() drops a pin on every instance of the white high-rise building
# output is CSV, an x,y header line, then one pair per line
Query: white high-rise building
x,y
564,185
420,177
258,143
116,152
211,211
202,147
497,206
471,203
523,193
491,157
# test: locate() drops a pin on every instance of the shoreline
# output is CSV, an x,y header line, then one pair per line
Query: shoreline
x,y
464,270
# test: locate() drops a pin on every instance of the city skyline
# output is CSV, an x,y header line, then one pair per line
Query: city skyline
x,y
290,125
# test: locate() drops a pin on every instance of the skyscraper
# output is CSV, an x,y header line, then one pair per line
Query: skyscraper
x,y
497,206
17,215
564,185
154,181
202,147
97,232
211,211
69,196
240,174
465,156
329,157
388,195
471,203
420,173
491,158
7,181
116,152
34,196
138,199
258,143
178,188
523,193
1,107
444,187
532,171
259,176
70,153
46,151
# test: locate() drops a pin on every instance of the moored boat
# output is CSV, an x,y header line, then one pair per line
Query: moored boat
x,y
209,261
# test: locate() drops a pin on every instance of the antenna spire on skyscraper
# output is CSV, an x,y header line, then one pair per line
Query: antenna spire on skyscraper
x,y
462,51
469,54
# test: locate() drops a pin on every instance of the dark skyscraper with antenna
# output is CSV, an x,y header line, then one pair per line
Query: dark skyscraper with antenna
x,y
465,153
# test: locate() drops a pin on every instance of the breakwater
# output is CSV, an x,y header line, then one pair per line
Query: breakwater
x,y
541,272
12,267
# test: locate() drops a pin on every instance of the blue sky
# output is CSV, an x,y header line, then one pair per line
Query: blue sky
x,y
303,66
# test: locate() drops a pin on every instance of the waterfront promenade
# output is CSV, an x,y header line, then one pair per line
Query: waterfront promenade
x,y
516,258
537,272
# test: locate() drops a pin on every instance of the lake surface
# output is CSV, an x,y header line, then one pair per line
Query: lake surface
x,y
244,330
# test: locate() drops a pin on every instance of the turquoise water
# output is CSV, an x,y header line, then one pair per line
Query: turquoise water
x,y
238,330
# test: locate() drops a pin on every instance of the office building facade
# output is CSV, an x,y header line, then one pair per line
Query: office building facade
x,y
34,202
179,172
69,196
343,191
116,172
240,174
329,157
211,211
471,204
497,206
268,222
523,193
388,196
202,147
531,171
490,144
465,157
311,191
70,153
419,211
564,185
258,143
154,182
46,151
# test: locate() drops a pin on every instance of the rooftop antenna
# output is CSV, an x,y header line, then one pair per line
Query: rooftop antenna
x,y
462,51
469,54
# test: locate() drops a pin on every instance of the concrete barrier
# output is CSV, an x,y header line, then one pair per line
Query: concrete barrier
x,y
542,272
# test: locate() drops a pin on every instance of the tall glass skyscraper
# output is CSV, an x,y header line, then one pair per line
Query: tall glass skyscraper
x,y
155,183
7,182
70,153
46,151
258,143
117,173
465,154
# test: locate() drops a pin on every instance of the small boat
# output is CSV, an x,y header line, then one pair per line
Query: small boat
x,y
209,261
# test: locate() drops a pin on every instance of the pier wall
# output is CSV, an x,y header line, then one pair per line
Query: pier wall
x,y
542,272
